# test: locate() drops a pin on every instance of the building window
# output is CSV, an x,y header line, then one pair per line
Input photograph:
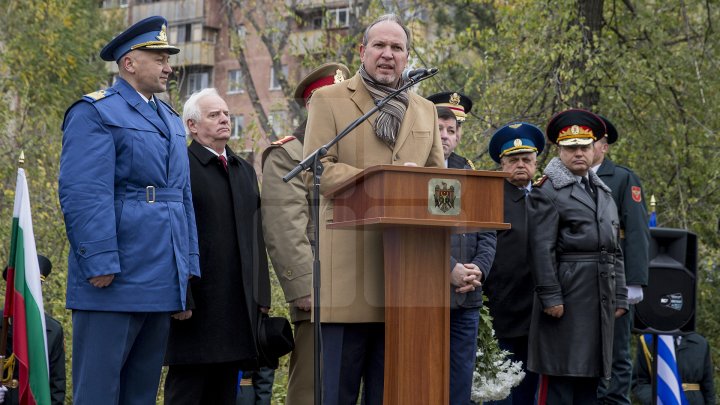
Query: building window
x,y
197,82
339,17
238,123
209,35
277,120
114,3
274,82
235,83
184,33
316,22
241,32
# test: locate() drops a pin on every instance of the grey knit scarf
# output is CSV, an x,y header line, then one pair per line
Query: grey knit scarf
x,y
391,115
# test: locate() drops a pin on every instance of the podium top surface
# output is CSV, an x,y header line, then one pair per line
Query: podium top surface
x,y
412,169
385,195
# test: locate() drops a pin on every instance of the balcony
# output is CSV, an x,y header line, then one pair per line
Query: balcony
x,y
200,53
306,42
175,11
304,5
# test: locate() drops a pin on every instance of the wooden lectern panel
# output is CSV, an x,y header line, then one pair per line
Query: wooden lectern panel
x,y
417,209
398,195
417,318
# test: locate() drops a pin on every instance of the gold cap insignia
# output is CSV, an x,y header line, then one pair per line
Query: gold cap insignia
x,y
163,34
515,126
575,130
517,142
455,99
339,76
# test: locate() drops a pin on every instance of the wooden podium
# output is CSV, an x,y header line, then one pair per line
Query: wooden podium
x,y
417,209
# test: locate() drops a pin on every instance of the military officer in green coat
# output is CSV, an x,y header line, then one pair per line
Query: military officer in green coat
x,y
287,234
634,237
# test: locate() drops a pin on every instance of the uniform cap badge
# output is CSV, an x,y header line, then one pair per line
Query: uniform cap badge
x,y
162,36
455,99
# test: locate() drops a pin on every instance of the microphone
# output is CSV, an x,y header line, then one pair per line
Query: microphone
x,y
419,73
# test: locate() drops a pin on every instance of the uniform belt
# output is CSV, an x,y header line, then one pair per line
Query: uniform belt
x,y
151,194
601,257
691,387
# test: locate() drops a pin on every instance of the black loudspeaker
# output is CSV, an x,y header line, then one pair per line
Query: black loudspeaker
x,y
668,305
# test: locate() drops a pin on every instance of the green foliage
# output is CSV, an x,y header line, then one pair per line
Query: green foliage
x,y
651,67
49,59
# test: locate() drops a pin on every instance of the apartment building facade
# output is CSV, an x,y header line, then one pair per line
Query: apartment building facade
x,y
203,32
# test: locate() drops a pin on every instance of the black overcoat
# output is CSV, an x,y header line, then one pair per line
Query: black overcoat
x,y
577,262
509,287
234,280
634,232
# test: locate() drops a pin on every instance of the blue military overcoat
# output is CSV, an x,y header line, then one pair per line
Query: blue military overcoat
x,y
124,189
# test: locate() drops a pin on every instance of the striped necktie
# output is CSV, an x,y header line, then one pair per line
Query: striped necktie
x,y
224,162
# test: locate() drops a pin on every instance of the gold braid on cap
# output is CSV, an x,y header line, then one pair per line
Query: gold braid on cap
x,y
524,148
575,131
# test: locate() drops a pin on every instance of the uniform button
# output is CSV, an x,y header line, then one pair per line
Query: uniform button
x,y
82,251
288,273
603,274
604,299
600,220
396,157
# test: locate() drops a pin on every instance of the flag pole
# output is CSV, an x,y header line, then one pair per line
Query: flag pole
x,y
7,379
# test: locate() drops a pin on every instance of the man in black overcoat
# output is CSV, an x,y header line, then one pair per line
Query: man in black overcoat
x,y
577,266
509,286
635,240
216,337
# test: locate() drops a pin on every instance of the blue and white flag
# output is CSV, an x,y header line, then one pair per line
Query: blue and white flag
x,y
669,384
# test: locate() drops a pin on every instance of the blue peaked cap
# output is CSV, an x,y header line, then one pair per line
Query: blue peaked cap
x,y
150,34
516,137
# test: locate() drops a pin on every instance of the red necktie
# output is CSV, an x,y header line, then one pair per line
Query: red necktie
x,y
224,162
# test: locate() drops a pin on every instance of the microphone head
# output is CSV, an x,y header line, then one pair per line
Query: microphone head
x,y
418,73
408,74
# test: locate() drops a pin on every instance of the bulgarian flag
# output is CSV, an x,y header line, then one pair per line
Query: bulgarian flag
x,y
23,299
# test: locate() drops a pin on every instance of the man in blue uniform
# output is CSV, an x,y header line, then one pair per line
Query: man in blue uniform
x,y
635,240
510,287
125,195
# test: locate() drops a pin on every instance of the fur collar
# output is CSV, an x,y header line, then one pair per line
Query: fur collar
x,y
560,176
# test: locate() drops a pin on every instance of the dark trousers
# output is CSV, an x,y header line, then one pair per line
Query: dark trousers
x,y
617,390
118,356
463,348
260,391
351,352
198,384
523,394
556,390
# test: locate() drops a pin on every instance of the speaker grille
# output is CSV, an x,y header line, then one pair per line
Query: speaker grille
x,y
668,305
